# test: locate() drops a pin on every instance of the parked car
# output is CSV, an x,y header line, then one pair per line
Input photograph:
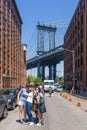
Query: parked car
x,y
3,107
58,89
11,95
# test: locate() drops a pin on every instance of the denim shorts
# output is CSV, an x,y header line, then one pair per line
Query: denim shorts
x,y
21,103
39,105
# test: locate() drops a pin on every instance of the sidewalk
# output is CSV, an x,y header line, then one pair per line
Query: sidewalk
x,y
82,94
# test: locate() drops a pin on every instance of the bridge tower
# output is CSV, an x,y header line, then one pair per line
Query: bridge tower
x,y
51,30
41,29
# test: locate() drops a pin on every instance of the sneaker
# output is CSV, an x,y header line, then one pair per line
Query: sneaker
x,y
31,123
42,122
22,122
37,120
38,124
27,123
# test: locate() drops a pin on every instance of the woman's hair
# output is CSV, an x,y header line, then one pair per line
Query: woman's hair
x,y
38,89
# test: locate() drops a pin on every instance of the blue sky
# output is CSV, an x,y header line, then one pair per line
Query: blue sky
x,y
47,11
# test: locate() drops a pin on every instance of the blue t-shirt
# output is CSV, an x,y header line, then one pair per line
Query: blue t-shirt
x,y
24,94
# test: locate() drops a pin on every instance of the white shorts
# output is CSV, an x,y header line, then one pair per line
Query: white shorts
x,y
21,103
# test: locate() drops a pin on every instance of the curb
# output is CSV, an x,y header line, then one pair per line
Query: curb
x,y
79,96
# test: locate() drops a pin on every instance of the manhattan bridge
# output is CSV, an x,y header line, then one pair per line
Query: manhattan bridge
x,y
45,53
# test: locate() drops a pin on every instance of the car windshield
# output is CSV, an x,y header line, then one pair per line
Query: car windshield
x,y
59,87
48,83
8,92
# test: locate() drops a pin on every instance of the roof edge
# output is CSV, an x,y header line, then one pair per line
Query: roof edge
x,y
14,2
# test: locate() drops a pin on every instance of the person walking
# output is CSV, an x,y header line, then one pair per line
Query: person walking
x,y
50,91
78,88
43,102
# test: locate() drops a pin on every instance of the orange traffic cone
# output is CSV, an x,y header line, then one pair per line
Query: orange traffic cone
x,y
66,96
70,99
79,104
85,110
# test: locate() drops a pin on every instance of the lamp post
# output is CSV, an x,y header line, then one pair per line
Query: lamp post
x,y
73,61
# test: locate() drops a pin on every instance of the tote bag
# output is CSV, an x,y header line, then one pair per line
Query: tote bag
x,y
43,108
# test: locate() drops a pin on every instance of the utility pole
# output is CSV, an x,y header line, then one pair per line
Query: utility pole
x,y
73,56
73,62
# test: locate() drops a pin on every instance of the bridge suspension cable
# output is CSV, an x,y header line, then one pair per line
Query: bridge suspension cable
x,y
32,51
61,24
30,41
31,47
32,35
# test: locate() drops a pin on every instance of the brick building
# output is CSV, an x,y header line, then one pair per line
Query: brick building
x,y
76,39
12,55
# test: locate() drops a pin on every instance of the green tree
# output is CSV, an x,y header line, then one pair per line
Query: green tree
x,y
38,80
34,79
30,78
61,80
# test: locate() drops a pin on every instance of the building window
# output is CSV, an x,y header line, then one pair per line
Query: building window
x,y
8,2
73,44
75,29
78,25
81,47
3,70
81,33
76,16
78,37
82,20
79,10
73,33
78,76
4,6
3,22
75,64
78,50
4,42
8,30
81,61
78,63
81,75
8,14
82,4
76,41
